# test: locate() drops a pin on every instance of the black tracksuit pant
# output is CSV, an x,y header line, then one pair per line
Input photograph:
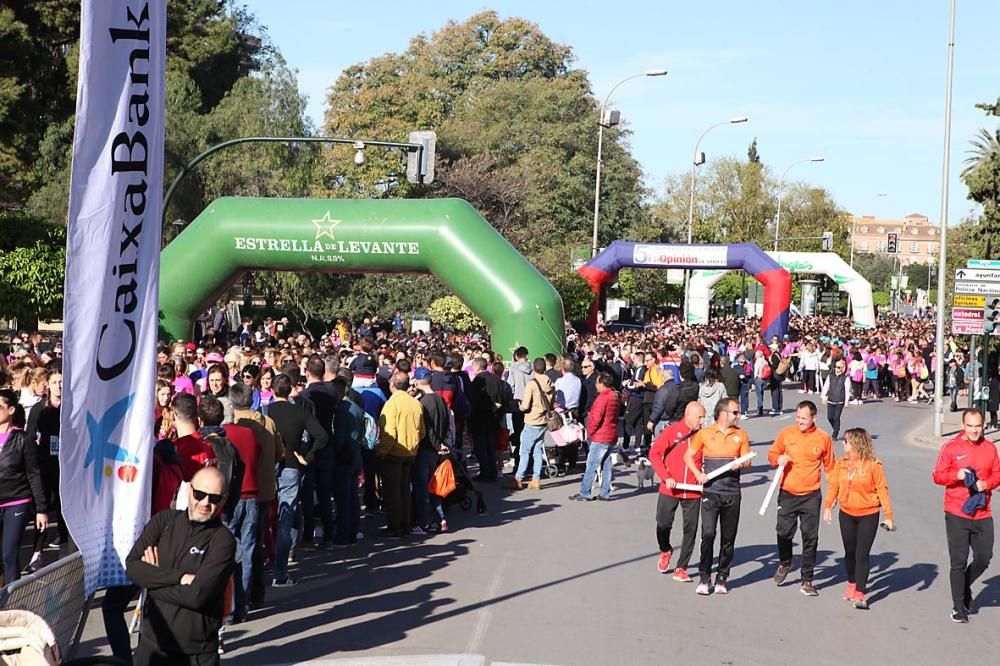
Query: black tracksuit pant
x,y
965,534
666,507
799,512
858,534
722,511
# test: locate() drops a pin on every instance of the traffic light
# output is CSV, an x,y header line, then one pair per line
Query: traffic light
x,y
891,245
827,241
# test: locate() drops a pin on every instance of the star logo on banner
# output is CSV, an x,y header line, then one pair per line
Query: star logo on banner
x,y
101,446
325,226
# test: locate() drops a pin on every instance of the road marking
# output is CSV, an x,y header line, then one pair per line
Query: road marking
x,y
407,660
485,612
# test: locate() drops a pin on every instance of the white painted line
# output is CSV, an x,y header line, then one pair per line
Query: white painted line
x,y
485,612
406,660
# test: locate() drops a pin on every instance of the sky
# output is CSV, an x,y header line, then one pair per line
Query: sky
x,y
860,83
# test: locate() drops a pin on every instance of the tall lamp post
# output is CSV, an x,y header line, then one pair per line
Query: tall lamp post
x,y
697,161
601,124
942,255
781,187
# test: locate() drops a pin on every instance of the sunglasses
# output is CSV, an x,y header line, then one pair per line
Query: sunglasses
x,y
199,495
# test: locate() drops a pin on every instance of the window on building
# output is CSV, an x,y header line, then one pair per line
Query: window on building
x,y
864,245
881,230
864,230
914,247
881,246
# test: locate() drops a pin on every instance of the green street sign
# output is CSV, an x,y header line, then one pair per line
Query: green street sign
x,y
983,263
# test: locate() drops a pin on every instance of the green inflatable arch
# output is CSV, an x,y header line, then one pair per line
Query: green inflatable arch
x,y
446,237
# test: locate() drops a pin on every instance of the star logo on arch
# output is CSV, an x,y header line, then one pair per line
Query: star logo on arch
x,y
101,447
325,226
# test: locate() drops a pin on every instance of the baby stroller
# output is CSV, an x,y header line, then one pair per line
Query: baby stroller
x,y
463,488
564,447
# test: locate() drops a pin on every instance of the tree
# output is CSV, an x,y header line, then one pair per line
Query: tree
x,y
452,312
517,133
982,176
752,156
32,267
876,268
576,295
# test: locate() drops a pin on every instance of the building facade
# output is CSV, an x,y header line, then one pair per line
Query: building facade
x,y
916,238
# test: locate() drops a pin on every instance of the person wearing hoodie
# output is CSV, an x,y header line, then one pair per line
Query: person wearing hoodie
x,y
518,376
539,396
711,390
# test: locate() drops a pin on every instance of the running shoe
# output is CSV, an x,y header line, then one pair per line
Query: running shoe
x,y
959,617
808,589
781,574
860,603
288,582
851,592
702,589
681,576
720,586
663,564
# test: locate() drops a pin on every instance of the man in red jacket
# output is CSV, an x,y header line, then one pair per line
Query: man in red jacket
x,y
969,469
602,426
667,458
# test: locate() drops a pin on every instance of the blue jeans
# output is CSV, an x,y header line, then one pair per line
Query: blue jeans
x,y
345,496
599,456
289,482
758,386
532,440
244,528
744,398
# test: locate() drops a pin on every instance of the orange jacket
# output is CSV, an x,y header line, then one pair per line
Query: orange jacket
x,y
859,486
808,453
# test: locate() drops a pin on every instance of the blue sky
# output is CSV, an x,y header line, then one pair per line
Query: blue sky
x,y
860,83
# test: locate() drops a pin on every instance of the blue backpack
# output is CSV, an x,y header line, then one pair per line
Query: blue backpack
x,y
371,432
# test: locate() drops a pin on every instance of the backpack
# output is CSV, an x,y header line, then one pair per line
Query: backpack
x,y
765,372
783,364
871,365
232,467
371,432
507,405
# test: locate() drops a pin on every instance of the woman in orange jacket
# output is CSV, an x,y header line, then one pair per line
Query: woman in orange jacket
x,y
858,484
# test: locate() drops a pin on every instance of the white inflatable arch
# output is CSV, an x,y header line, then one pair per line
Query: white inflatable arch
x,y
824,263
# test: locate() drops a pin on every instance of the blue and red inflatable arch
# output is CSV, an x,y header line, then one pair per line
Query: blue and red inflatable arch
x,y
603,269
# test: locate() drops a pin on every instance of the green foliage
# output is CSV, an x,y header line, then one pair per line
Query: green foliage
x,y
982,176
880,298
576,295
516,128
729,287
452,312
32,267
876,268
649,287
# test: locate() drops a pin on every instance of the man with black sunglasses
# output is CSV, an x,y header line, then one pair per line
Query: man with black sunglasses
x,y
183,559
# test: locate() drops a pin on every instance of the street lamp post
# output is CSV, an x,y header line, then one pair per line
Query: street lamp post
x,y
781,186
942,257
601,124
697,161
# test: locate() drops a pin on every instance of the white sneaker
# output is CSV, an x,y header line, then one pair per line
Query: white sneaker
x,y
702,589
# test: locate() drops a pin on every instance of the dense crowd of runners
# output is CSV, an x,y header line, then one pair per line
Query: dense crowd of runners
x,y
309,435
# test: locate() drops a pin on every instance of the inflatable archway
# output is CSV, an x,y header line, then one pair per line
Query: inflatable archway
x,y
603,269
446,237
824,263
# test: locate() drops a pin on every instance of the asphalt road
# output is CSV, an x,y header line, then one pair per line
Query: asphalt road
x,y
538,579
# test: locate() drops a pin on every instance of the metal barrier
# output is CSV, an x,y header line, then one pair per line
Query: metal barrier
x,y
55,593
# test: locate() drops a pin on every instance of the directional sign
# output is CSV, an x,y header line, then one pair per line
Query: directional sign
x,y
983,263
968,314
969,301
979,288
977,275
965,327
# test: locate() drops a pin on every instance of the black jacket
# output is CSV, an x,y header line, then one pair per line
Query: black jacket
x,y
20,477
183,619
731,380
664,402
686,392
436,421
485,395
300,430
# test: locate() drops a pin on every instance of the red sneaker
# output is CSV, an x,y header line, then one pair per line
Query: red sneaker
x,y
850,592
681,576
663,564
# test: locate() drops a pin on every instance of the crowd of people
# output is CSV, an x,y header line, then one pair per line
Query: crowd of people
x,y
308,435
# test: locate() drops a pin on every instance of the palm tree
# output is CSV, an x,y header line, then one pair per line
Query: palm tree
x,y
984,146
